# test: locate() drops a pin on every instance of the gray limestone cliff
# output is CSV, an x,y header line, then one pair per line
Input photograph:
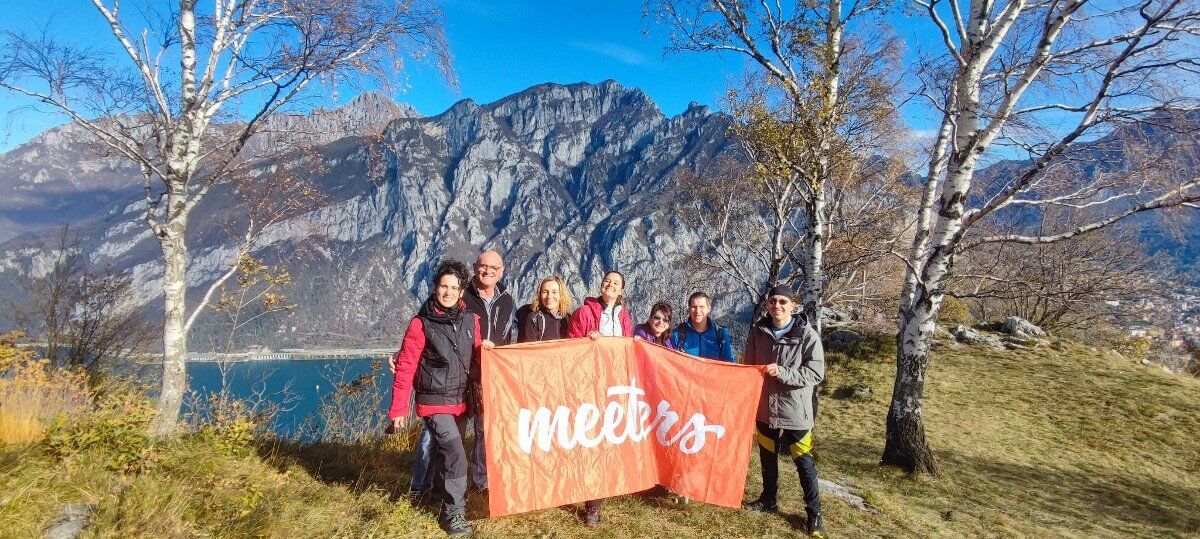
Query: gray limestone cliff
x,y
569,180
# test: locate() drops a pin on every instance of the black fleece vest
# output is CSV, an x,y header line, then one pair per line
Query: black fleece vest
x,y
444,371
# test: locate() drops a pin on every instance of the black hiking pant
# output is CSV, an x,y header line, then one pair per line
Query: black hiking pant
x,y
798,445
449,461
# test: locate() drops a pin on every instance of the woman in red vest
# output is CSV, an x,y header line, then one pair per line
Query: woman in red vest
x,y
440,350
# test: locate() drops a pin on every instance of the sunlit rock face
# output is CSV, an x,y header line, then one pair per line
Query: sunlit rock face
x,y
568,180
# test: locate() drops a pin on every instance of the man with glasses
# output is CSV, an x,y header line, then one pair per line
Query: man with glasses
x,y
700,336
490,300
791,351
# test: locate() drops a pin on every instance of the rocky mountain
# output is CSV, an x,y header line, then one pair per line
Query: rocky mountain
x,y
63,175
1166,144
568,180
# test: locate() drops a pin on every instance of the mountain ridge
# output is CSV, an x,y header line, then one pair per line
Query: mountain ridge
x,y
567,179
562,178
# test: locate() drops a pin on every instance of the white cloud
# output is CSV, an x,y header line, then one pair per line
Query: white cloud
x,y
612,50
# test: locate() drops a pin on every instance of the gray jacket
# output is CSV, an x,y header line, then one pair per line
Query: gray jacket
x,y
787,401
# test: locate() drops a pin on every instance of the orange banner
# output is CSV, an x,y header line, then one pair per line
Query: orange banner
x,y
574,420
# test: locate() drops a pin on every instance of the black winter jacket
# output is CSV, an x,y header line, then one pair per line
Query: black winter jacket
x,y
540,325
447,359
496,325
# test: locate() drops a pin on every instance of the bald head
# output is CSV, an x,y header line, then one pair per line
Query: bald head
x,y
490,257
489,268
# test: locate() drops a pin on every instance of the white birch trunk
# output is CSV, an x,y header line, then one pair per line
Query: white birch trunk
x,y
816,228
814,271
924,222
906,445
174,375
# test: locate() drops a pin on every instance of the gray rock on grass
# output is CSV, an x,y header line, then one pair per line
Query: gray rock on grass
x,y
845,492
967,335
842,339
1016,326
70,523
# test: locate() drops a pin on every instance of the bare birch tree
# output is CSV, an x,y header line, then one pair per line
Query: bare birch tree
x,y
750,212
828,95
191,88
1034,79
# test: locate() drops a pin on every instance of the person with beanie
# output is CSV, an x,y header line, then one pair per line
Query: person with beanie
x,y
790,349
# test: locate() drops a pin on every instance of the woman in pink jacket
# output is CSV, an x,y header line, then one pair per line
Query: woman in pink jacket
x,y
603,316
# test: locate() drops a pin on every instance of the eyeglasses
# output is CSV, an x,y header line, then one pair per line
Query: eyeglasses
x,y
774,301
663,319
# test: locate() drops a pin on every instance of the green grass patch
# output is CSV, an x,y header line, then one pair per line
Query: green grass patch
x,y
1043,442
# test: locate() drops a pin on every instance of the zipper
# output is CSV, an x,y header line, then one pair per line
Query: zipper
x,y
491,317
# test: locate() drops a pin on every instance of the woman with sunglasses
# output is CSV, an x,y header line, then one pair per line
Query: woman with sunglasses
x,y
658,328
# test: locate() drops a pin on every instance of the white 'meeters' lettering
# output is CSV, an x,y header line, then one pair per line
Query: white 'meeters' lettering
x,y
544,426
618,422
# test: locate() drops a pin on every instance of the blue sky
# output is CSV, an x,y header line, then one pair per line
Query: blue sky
x,y
499,48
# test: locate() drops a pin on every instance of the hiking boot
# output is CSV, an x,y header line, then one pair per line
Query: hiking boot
x,y
815,527
418,495
591,518
456,525
680,500
761,506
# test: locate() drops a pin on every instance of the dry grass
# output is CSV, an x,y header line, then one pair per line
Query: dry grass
x,y
29,405
1032,444
32,393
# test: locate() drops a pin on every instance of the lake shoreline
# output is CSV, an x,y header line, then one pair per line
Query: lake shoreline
x,y
292,354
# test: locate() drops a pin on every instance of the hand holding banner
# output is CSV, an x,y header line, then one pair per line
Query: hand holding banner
x,y
581,419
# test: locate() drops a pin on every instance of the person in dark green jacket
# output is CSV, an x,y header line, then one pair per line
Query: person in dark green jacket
x,y
791,351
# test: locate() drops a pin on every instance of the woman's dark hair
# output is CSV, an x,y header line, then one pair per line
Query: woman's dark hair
x,y
666,309
452,267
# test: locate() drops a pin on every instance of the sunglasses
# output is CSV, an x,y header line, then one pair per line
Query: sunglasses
x,y
492,268
659,318
773,301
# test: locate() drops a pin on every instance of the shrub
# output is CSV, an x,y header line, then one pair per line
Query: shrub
x,y
350,413
116,428
954,311
33,394
1135,348
231,426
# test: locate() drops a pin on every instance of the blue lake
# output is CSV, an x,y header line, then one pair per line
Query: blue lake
x,y
297,385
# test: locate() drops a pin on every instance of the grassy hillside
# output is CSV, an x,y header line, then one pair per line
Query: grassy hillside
x,y
1047,442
